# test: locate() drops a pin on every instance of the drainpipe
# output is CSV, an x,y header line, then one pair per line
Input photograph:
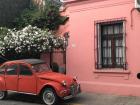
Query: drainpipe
x,y
66,36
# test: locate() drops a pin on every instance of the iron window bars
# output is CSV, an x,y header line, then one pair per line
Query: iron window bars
x,y
111,47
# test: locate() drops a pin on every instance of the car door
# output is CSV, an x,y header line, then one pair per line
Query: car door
x,y
11,77
2,77
26,79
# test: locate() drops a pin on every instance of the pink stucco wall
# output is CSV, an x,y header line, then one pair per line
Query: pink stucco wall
x,y
80,52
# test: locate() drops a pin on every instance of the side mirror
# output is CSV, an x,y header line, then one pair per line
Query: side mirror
x,y
138,75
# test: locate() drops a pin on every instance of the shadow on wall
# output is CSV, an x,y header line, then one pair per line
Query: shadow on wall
x,y
56,68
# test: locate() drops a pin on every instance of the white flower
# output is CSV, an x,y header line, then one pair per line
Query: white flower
x,y
33,37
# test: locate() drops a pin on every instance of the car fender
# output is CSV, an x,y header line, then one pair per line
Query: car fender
x,y
2,84
52,84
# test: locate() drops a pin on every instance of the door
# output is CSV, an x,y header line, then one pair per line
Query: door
x,y
2,77
26,80
11,77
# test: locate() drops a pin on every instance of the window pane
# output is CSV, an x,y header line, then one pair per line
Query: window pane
x,y
105,30
110,30
107,52
121,28
12,70
116,29
2,69
105,61
25,70
104,43
119,52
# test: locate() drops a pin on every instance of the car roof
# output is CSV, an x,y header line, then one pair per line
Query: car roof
x,y
29,61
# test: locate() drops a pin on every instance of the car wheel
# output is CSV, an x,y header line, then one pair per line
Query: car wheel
x,y
3,95
49,97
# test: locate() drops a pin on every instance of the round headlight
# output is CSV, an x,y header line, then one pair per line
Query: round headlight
x,y
64,83
75,78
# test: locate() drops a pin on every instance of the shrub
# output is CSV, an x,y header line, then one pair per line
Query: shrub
x,y
46,17
29,40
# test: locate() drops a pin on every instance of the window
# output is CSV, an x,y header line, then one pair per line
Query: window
x,y
2,69
111,45
12,70
40,67
25,70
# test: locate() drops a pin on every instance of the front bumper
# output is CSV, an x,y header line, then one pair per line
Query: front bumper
x,y
74,91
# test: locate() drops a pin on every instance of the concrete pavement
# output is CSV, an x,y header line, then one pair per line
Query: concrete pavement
x,y
103,99
82,99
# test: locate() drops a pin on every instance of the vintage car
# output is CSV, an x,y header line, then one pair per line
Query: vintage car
x,y
33,76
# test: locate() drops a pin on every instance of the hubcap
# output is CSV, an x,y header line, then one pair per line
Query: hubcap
x,y
49,97
1,94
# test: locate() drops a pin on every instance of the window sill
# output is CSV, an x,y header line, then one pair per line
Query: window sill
x,y
113,71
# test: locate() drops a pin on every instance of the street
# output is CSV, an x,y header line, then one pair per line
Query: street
x,y
22,99
82,99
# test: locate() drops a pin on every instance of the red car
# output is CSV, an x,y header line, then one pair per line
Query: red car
x,y
33,76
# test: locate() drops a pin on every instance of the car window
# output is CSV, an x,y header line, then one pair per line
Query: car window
x,y
2,69
25,70
40,67
12,69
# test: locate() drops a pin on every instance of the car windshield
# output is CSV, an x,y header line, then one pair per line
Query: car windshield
x,y
41,67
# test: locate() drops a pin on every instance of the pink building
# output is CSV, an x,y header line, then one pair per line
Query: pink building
x,y
104,45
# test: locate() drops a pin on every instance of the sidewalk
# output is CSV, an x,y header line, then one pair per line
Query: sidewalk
x,y
102,99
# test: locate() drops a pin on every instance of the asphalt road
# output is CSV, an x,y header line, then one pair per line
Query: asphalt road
x,y
82,99
22,99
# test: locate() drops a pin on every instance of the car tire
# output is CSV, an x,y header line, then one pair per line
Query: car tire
x,y
49,96
3,95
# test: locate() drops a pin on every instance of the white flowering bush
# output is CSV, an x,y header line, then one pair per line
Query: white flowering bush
x,y
29,40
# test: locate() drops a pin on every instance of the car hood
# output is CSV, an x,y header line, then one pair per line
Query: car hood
x,y
58,77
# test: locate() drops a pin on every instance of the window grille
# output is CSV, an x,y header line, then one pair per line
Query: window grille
x,y
111,49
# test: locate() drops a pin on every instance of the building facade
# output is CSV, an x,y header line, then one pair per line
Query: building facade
x,y
104,45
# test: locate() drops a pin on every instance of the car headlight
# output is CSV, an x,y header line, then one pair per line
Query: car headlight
x,y
75,78
64,83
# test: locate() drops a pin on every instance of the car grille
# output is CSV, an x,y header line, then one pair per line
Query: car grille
x,y
73,89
